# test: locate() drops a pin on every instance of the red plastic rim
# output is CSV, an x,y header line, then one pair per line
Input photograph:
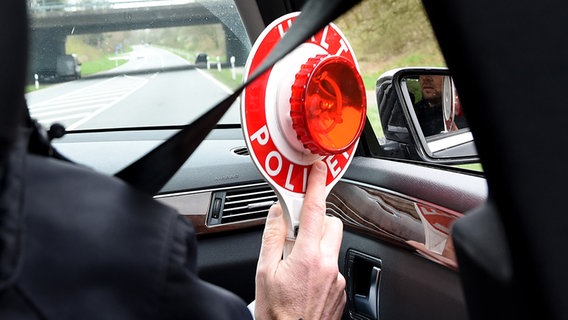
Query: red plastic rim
x,y
328,104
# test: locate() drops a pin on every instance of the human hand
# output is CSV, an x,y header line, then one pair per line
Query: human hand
x,y
307,284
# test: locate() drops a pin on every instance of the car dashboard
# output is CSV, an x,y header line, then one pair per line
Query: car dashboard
x,y
218,188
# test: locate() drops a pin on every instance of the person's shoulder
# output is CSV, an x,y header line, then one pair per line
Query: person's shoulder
x,y
421,104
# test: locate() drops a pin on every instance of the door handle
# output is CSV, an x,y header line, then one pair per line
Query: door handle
x,y
368,304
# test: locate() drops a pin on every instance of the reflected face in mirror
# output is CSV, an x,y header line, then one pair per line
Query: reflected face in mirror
x,y
436,104
429,108
432,86
423,117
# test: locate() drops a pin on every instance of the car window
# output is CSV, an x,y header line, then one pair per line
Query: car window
x,y
383,43
116,64
103,64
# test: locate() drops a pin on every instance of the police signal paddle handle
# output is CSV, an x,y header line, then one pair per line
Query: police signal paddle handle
x,y
309,106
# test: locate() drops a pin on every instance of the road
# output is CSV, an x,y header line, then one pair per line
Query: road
x,y
139,99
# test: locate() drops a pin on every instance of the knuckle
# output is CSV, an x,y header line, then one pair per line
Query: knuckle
x,y
335,221
270,235
314,206
312,259
261,271
330,271
343,299
341,283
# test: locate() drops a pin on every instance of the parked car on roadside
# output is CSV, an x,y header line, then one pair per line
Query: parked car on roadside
x,y
201,60
68,67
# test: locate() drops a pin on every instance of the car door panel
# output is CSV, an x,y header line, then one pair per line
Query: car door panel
x,y
235,269
380,222
452,190
386,226
410,287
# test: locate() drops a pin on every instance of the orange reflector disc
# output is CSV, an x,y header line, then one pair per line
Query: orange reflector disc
x,y
328,104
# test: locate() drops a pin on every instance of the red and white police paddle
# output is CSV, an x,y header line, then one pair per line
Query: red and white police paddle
x,y
310,106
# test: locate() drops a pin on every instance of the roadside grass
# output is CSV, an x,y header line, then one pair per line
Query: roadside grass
x,y
32,87
374,66
225,76
87,68
471,166
190,57
373,117
103,64
92,58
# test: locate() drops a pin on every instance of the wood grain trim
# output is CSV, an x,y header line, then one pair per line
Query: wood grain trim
x,y
195,205
409,223
380,214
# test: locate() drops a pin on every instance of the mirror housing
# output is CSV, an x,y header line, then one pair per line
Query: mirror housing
x,y
422,118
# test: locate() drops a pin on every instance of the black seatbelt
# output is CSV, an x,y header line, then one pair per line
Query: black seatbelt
x,y
151,172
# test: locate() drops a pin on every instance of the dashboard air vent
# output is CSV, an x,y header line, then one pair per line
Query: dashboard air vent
x,y
241,151
241,204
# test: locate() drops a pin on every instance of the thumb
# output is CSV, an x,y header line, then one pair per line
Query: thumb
x,y
273,239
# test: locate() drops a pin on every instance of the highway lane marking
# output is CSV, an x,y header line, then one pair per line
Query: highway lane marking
x,y
73,116
97,97
71,93
43,114
141,83
217,82
73,103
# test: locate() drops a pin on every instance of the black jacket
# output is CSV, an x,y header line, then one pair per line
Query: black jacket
x,y
88,246
77,244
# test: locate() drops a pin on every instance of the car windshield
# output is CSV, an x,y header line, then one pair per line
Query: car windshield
x,y
108,65
105,64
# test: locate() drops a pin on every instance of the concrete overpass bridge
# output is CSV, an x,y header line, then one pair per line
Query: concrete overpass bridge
x,y
51,23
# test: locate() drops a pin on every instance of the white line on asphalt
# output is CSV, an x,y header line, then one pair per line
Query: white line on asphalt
x,y
219,83
74,102
43,114
69,93
95,97
73,116
92,115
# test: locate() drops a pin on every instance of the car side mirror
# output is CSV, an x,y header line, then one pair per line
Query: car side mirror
x,y
420,113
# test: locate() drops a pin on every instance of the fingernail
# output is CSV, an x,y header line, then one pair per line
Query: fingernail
x,y
319,166
274,212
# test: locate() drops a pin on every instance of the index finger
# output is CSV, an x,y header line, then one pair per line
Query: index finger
x,y
311,226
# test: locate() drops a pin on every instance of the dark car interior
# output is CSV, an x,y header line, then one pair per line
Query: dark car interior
x,y
382,266
504,259
507,244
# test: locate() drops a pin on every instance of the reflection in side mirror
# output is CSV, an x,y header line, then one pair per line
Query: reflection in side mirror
x,y
428,102
436,103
